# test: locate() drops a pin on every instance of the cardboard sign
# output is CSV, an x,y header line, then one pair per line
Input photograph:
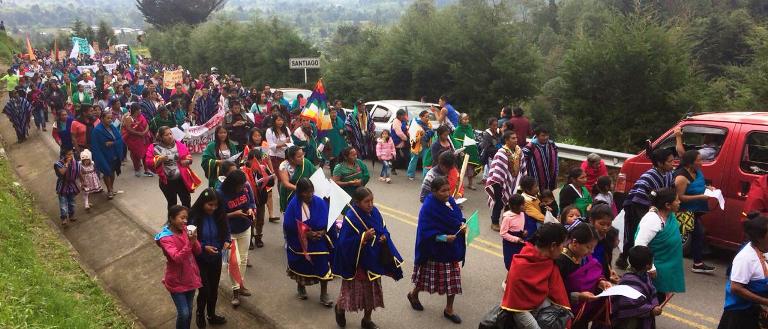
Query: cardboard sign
x,y
170,78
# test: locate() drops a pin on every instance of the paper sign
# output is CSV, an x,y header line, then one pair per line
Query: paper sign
x,y
339,199
170,78
321,184
177,133
621,290
717,194
469,141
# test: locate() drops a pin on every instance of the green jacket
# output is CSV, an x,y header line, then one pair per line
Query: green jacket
x,y
210,155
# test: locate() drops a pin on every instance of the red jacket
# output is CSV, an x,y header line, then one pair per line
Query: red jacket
x,y
191,181
593,174
181,271
757,198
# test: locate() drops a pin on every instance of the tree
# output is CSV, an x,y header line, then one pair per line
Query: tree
x,y
166,13
105,36
626,84
722,41
78,28
89,34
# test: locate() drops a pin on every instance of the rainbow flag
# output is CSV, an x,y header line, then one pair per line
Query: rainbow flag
x,y
317,105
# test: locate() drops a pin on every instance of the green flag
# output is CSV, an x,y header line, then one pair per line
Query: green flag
x,y
134,61
473,227
354,111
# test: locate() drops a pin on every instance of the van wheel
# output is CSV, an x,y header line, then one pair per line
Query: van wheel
x,y
686,243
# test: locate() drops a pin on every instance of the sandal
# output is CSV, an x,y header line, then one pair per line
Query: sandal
x,y
415,303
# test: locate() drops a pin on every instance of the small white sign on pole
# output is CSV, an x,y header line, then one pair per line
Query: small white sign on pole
x,y
304,63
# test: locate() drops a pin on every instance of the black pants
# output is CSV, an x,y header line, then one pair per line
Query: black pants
x,y
498,204
633,213
176,188
208,294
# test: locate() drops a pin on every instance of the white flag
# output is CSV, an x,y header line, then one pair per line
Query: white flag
x,y
321,184
339,199
469,141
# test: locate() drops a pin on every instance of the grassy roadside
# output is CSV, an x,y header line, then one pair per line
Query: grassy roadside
x,y
42,285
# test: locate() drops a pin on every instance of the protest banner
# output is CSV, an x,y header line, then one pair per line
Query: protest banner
x,y
198,137
170,78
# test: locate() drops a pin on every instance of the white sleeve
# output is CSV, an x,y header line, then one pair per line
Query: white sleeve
x,y
271,140
741,271
647,230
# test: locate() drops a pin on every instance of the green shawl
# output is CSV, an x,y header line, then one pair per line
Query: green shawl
x,y
462,132
348,174
309,146
210,155
336,137
667,247
304,171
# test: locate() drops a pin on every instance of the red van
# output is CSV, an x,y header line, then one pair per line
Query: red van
x,y
736,145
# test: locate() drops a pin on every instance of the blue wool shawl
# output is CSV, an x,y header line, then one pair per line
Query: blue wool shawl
x,y
319,250
350,252
436,218
107,159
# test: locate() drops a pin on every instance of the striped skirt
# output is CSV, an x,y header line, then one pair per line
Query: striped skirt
x,y
435,277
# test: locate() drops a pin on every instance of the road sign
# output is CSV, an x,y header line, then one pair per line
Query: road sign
x,y
304,63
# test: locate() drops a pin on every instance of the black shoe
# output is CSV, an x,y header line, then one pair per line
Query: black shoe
x,y
702,268
368,325
341,318
200,320
453,317
217,320
415,304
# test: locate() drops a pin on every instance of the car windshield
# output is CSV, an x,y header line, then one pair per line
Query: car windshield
x,y
413,111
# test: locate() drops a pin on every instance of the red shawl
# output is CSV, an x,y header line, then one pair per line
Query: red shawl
x,y
531,279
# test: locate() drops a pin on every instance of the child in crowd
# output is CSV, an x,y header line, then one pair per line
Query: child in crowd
x,y
571,216
513,231
601,216
67,172
603,192
226,168
385,150
640,313
532,205
89,177
548,203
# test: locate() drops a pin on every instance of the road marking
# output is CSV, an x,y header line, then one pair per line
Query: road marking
x,y
396,214
692,313
478,239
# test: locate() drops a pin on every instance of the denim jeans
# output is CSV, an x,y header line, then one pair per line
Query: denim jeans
x,y
411,172
183,302
66,206
39,116
386,166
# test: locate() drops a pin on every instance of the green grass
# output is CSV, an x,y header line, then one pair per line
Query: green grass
x,y
8,47
41,285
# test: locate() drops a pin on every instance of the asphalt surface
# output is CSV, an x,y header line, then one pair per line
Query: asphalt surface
x,y
482,275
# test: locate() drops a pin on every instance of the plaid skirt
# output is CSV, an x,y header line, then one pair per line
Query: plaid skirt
x,y
302,280
360,294
441,278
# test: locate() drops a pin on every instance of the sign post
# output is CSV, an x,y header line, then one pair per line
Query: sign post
x,y
304,63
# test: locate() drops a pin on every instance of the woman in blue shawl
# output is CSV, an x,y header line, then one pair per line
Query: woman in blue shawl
x,y
307,243
364,253
108,150
440,246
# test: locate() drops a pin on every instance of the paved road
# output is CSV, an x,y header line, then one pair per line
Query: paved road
x,y
482,275
274,293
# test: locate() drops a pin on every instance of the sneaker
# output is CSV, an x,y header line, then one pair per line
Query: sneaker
x,y
217,320
235,298
388,180
702,268
411,178
137,174
148,174
381,179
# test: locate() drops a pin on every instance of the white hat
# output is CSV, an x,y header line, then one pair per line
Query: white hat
x,y
85,154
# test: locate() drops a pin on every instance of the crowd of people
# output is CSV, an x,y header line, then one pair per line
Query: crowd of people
x,y
558,255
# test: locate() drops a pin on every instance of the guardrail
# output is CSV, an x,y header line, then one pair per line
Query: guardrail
x,y
579,153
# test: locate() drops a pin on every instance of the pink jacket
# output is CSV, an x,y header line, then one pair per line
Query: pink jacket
x,y
181,271
191,181
512,222
385,150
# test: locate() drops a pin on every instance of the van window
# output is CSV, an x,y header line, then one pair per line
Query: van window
x,y
755,157
380,114
706,139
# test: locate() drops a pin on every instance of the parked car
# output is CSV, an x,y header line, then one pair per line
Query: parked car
x,y
290,94
383,112
741,157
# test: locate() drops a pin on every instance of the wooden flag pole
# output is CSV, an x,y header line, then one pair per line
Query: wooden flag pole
x,y
461,174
